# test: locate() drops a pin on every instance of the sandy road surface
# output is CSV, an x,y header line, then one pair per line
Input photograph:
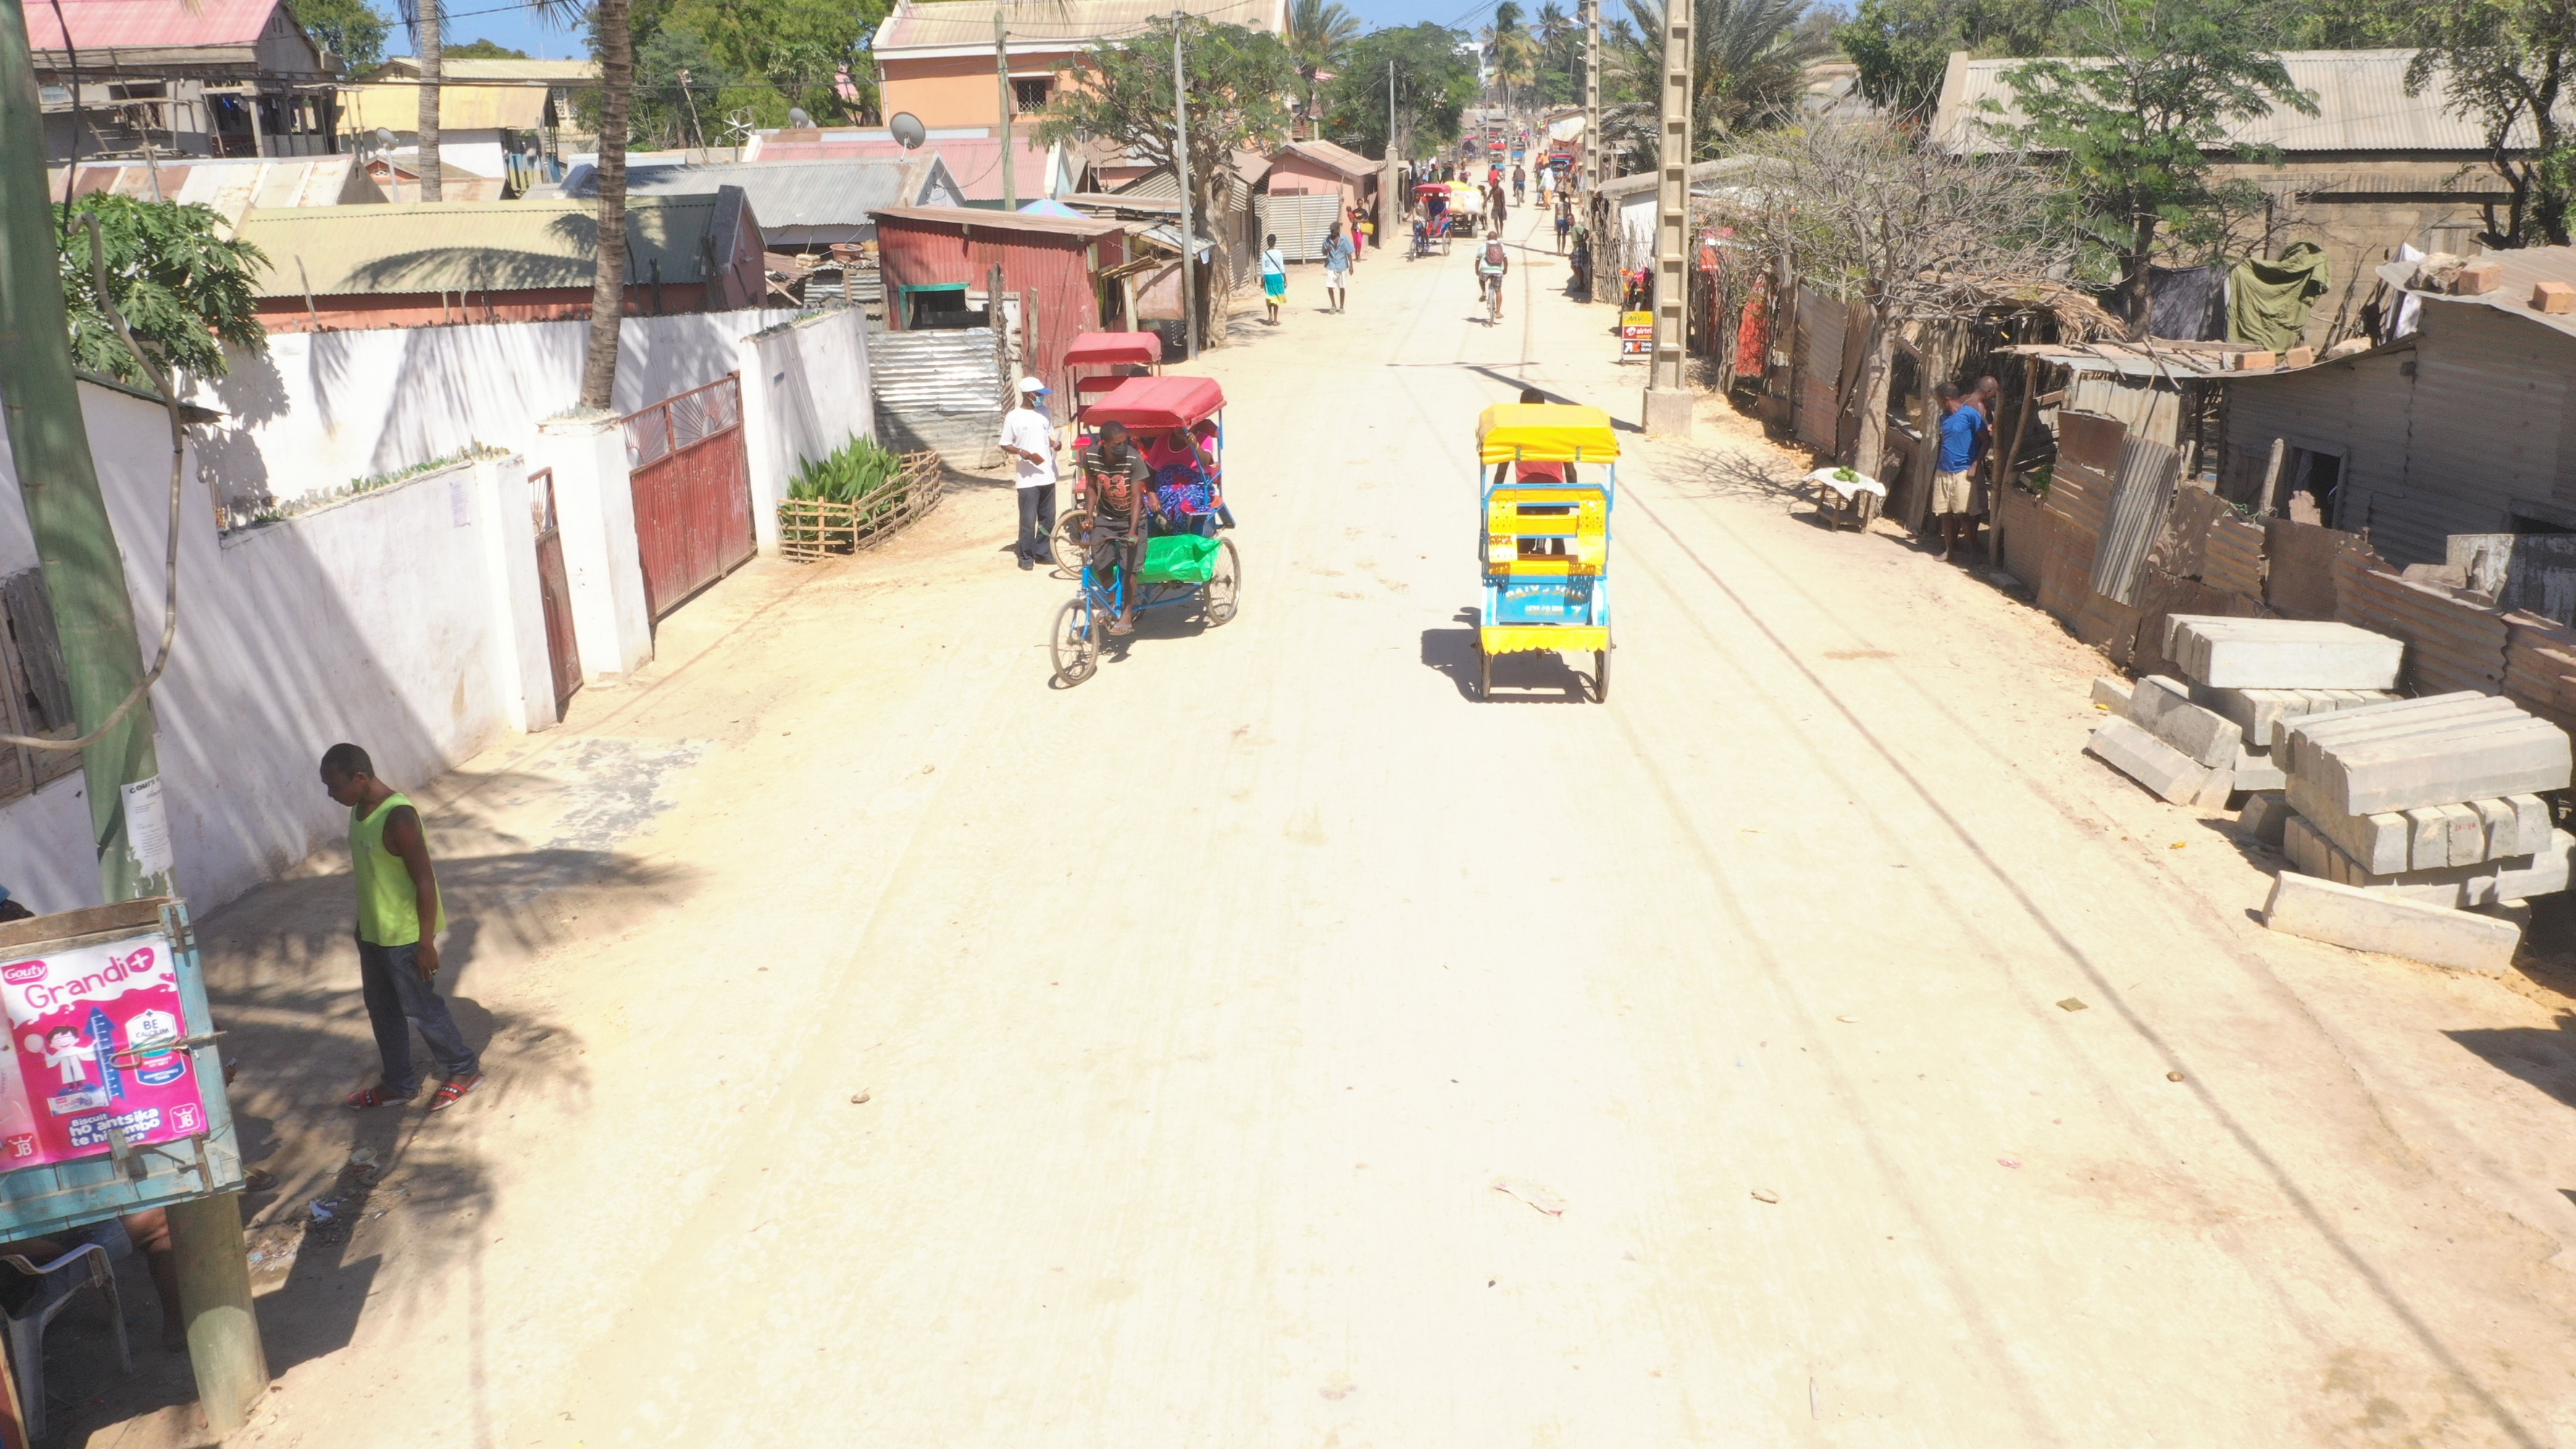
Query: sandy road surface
x,y
1200,1008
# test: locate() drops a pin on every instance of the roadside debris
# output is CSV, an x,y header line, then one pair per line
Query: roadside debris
x,y
1533,1194
1764,1194
858,1099
2070,1004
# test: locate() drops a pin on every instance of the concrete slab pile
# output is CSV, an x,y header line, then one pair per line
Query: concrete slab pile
x,y
2247,676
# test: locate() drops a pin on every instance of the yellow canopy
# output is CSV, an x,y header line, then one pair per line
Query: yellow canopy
x,y
1546,433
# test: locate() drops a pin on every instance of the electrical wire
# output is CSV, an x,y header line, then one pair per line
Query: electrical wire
x,y
178,453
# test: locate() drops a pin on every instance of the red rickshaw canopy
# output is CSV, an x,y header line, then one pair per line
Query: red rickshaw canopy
x,y
1105,349
1158,402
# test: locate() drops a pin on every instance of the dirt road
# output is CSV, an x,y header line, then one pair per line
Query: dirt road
x,y
1200,1011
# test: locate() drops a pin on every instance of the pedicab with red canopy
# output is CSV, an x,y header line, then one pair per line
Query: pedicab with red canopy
x,y
1184,562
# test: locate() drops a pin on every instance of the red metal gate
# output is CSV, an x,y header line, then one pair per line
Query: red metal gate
x,y
692,491
563,653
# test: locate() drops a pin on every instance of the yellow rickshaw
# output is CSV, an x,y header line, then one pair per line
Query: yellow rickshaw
x,y
1547,475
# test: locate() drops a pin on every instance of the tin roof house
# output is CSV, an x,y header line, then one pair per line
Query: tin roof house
x,y
157,78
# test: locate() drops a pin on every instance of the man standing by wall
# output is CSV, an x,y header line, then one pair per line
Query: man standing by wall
x,y
1953,494
400,914
1030,440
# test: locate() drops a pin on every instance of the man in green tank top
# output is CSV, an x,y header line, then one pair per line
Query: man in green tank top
x,y
397,958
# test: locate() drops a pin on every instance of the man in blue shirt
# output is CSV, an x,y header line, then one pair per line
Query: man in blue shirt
x,y
1953,496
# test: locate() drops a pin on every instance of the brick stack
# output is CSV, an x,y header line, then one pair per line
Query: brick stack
x,y
2199,742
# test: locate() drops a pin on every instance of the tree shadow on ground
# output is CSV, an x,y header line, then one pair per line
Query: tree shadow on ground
x,y
2544,1057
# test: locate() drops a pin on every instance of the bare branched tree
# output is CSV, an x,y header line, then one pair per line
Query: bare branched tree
x,y
1919,235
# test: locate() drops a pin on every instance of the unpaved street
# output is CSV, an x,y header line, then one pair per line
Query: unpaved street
x,y
1199,1011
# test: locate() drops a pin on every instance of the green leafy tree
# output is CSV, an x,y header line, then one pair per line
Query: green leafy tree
x,y
353,30
1902,47
2507,65
1320,33
1435,82
1238,83
182,281
700,65
2140,118
484,50
1560,55
1510,52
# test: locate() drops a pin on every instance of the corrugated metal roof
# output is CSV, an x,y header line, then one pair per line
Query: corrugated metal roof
x,y
1348,162
149,24
443,246
976,162
2523,270
227,187
982,220
838,192
2362,105
460,108
916,25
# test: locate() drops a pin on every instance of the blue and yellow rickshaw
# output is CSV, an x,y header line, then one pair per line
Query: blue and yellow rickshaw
x,y
1548,474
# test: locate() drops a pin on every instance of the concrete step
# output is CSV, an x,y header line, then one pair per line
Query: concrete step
x,y
2323,910
2232,653
2168,773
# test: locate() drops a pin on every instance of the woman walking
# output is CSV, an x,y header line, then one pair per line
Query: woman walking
x,y
1337,267
1274,276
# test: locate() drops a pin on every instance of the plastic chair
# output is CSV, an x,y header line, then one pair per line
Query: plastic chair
x,y
29,1310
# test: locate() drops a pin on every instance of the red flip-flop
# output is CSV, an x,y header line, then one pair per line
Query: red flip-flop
x,y
453,1090
375,1096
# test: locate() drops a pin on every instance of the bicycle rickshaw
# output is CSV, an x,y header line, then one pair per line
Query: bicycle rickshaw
x,y
1187,563
1433,197
1546,544
1098,362
1466,208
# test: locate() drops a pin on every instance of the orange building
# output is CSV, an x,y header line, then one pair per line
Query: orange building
x,y
936,59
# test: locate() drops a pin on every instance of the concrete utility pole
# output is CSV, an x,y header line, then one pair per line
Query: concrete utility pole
x,y
1181,165
1668,393
94,620
433,65
1595,156
1002,81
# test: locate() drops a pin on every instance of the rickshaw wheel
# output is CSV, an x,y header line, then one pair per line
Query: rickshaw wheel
x,y
1600,675
1075,641
1066,542
1222,594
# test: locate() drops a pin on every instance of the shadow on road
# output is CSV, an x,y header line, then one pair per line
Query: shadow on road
x,y
2545,1057
1453,652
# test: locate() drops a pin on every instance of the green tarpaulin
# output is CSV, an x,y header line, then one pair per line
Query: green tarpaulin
x,y
2268,302
1182,558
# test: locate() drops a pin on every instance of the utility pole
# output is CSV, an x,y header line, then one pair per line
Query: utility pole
x,y
1002,81
1595,155
433,63
1668,393
94,620
1181,166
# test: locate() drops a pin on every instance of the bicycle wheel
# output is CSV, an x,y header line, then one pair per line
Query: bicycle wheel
x,y
1065,544
1222,594
1075,641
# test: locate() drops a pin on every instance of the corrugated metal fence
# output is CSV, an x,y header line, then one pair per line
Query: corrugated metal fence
x,y
1300,222
940,389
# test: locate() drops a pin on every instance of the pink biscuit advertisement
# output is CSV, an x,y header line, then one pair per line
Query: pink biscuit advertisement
x,y
93,1033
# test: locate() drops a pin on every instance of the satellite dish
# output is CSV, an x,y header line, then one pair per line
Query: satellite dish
x,y
797,118
908,130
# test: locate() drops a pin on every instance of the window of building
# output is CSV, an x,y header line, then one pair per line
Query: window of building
x,y
1030,95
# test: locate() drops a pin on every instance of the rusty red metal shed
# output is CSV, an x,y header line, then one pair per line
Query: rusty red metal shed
x,y
1051,263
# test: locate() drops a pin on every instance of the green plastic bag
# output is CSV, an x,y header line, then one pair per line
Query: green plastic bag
x,y
1181,558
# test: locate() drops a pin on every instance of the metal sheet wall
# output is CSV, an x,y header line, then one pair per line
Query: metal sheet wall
x,y
2149,410
1052,272
1822,323
1300,221
942,390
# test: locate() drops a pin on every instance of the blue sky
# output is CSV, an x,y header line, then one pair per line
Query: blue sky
x,y
518,27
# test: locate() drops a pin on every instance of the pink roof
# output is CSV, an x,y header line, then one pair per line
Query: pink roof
x,y
149,24
1158,402
1108,349
975,163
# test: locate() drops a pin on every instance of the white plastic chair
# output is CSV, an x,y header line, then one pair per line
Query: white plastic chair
x,y
86,1266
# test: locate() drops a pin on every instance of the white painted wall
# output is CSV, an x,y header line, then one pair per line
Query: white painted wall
x,y
804,395
378,620
322,410
612,622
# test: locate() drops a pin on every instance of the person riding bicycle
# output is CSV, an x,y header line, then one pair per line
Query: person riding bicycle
x,y
1122,505
1491,265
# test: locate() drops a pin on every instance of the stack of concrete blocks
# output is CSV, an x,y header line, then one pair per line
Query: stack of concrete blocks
x,y
2199,742
2432,804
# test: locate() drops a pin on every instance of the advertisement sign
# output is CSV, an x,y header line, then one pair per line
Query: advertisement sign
x,y
1636,334
93,1036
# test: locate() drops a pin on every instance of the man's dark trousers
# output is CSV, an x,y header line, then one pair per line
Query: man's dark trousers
x,y
397,1001
1037,523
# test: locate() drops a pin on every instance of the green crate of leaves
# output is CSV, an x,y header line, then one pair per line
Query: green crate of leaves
x,y
855,497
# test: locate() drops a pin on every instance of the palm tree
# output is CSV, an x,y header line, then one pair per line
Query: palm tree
x,y
1747,62
423,17
613,38
1507,49
1320,33
1554,29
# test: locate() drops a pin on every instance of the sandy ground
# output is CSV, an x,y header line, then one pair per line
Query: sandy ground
x,y
1268,1044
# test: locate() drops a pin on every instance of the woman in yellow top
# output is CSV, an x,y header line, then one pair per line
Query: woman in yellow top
x,y
397,959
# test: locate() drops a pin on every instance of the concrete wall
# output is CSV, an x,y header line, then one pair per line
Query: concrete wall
x,y
394,619
960,90
804,394
320,411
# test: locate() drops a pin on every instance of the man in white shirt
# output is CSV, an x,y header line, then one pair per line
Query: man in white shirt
x,y
1030,440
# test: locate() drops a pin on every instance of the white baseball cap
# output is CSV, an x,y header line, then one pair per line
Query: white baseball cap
x,y
1031,384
